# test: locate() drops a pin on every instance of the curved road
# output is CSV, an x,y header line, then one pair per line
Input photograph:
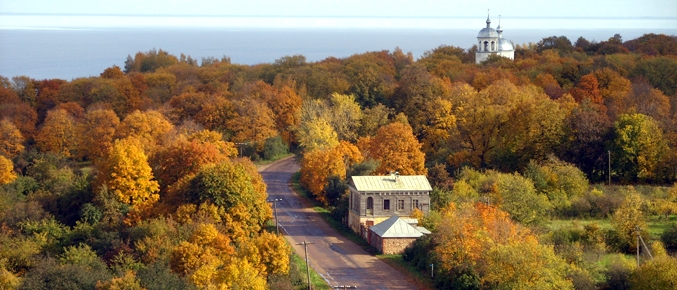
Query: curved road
x,y
338,260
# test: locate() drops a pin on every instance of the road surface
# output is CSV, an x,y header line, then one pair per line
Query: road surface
x,y
338,260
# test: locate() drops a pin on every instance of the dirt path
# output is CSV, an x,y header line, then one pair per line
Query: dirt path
x,y
338,260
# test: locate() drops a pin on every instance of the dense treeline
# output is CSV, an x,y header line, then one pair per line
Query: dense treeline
x,y
135,177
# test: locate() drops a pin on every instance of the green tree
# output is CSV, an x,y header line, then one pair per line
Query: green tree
x,y
638,148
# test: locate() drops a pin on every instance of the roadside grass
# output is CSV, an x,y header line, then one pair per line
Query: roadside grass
x,y
316,280
299,267
276,158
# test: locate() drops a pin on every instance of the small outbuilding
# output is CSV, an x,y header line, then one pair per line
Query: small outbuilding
x,y
394,235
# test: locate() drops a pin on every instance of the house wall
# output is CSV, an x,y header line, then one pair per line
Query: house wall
x,y
396,245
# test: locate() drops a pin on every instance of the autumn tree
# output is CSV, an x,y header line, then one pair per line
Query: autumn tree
x,y
58,134
319,165
396,148
96,133
7,174
317,134
629,218
11,140
375,117
254,122
126,172
346,116
483,240
187,156
148,127
237,189
22,116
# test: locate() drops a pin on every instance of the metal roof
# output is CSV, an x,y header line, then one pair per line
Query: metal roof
x,y
391,183
395,227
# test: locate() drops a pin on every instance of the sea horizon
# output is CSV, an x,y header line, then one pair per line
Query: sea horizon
x,y
69,52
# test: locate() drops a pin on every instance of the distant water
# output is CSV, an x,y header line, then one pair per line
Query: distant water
x,y
73,53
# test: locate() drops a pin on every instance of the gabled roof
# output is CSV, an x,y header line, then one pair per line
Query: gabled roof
x,y
395,227
391,183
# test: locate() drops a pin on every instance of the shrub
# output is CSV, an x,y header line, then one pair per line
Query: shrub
x,y
274,147
669,237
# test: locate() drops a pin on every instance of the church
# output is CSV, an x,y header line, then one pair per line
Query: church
x,y
491,42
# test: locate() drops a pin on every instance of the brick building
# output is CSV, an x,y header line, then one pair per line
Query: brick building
x,y
394,235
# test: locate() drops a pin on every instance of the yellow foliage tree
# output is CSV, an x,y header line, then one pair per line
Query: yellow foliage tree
x,y
317,134
148,127
11,140
126,172
7,174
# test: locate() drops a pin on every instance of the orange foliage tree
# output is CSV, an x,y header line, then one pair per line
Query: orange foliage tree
x,y
587,88
396,148
96,133
484,239
58,133
11,140
320,164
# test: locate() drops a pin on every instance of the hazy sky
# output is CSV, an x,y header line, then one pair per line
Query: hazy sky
x,y
270,12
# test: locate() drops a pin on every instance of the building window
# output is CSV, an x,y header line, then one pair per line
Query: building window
x,y
414,203
400,204
386,204
370,205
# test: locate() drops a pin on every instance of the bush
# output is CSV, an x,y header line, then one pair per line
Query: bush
x,y
48,274
158,276
669,237
274,147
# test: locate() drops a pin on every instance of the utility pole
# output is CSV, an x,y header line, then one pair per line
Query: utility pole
x,y
241,144
277,225
637,232
305,249
609,166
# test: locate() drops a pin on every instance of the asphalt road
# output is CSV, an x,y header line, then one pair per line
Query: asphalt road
x,y
338,260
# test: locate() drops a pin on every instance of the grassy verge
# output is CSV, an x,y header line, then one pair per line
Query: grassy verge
x,y
421,279
266,162
315,279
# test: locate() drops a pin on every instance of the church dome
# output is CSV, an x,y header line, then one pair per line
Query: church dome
x,y
487,32
504,45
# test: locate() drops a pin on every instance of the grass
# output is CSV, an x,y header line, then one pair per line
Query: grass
x,y
317,281
656,224
276,158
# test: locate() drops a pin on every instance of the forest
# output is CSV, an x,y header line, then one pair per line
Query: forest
x,y
549,171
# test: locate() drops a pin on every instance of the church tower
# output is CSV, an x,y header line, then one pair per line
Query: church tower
x,y
490,41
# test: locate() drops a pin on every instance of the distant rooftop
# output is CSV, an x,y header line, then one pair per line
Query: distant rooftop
x,y
391,183
395,227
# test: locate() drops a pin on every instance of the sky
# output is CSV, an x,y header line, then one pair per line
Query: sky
x,y
346,13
